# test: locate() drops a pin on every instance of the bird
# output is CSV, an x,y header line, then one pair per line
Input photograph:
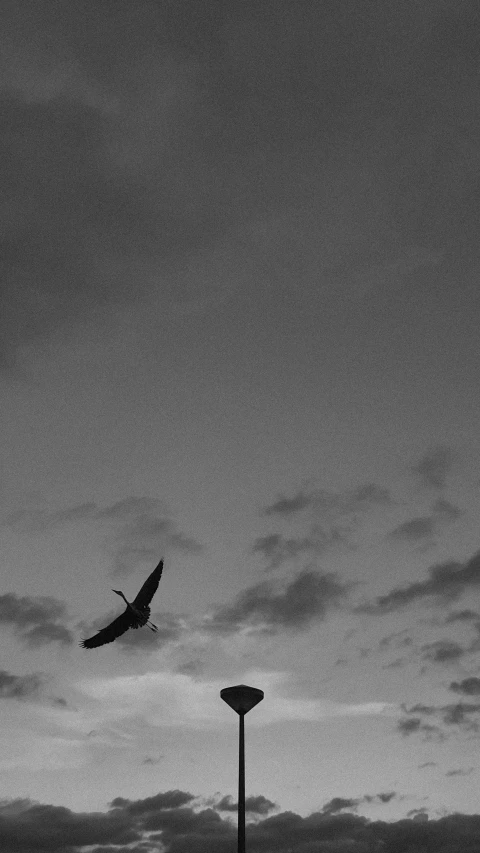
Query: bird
x,y
136,614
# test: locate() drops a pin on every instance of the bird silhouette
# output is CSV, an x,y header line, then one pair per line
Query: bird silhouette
x,y
135,615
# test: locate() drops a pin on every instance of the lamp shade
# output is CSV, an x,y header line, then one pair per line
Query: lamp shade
x,y
241,697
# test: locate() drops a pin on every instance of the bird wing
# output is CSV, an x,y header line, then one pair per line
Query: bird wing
x,y
107,635
149,588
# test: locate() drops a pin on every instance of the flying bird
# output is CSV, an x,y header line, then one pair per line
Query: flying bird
x,y
135,615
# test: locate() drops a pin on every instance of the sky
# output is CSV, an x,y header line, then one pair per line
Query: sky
x,y
239,330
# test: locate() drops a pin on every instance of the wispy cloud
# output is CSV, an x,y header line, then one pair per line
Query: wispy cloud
x,y
278,549
460,771
340,804
434,467
139,529
331,504
174,699
37,620
330,518
20,686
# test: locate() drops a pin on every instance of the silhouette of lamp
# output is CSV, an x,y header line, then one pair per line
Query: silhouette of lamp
x,y
242,699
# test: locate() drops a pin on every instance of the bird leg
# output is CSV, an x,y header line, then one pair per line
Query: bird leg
x,y
152,626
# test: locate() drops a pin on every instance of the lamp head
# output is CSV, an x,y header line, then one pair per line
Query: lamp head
x,y
241,697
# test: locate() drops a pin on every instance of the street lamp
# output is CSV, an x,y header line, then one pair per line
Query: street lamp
x,y
242,699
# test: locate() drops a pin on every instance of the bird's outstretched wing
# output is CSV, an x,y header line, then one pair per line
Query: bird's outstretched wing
x,y
107,635
149,588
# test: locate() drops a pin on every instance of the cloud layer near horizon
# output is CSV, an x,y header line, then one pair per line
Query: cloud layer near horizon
x,y
181,823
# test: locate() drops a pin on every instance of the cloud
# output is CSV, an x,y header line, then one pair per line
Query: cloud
x,y
288,506
445,510
179,699
445,583
469,686
36,619
278,549
466,615
461,771
141,528
327,503
258,805
434,466
267,606
340,804
442,651
176,821
331,517
20,686
465,716
424,526
413,530
168,800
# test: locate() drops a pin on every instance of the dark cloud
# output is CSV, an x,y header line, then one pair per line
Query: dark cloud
x,y
20,686
150,760
464,716
461,715
413,530
469,686
176,822
37,620
434,467
445,583
339,804
268,607
141,528
461,771
168,800
462,616
442,651
288,506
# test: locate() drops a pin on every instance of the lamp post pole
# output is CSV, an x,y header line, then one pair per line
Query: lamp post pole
x,y
241,786
241,698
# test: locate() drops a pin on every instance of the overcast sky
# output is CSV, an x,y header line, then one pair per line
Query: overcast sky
x,y
239,329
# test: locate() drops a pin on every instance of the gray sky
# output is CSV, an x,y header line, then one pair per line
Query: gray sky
x,y
238,323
